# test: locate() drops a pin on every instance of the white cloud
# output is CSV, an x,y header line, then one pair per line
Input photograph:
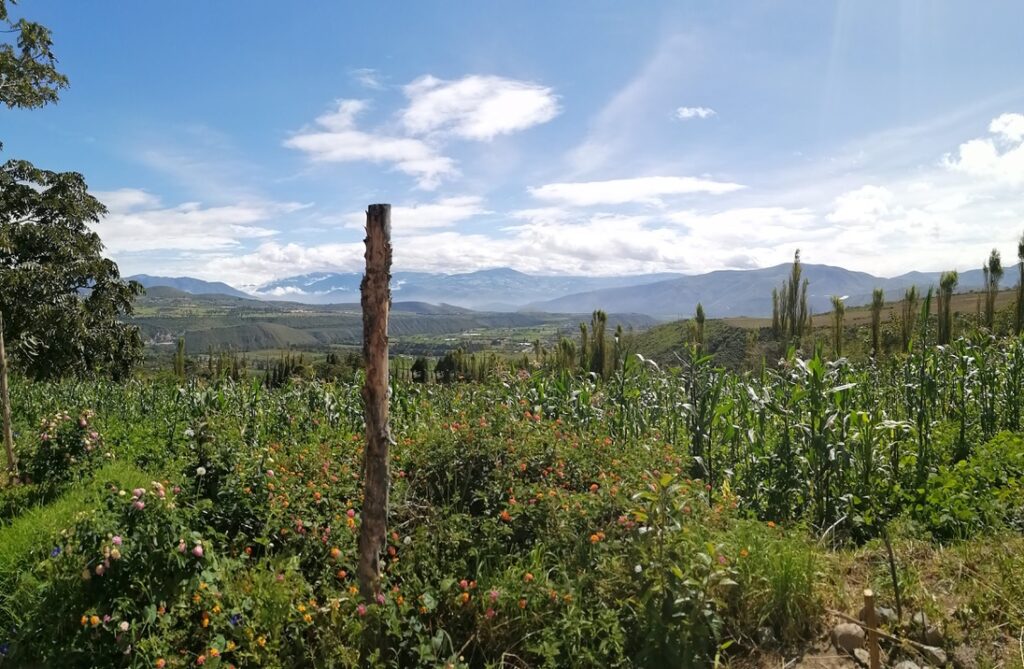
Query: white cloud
x,y
368,78
647,190
1000,157
686,113
137,223
476,107
336,139
444,213
864,205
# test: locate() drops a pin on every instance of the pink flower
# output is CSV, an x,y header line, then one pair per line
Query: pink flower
x,y
139,504
138,492
380,598
361,609
464,584
181,546
494,595
197,550
201,660
270,472
351,513
490,614
116,540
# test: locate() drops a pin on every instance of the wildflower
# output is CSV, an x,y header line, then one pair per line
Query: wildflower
x,y
94,620
637,569
201,660
493,594
522,603
160,663
351,513
380,598
55,552
594,487
138,492
197,550
464,598
124,625
234,621
771,524
361,610
231,645
205,622
100,569
115,554
335,553
308,618
342,574
270,473
506,516
117,540
528,577
200,471
214,652
139,504
744,552
464,584
85,620
262,640
490,614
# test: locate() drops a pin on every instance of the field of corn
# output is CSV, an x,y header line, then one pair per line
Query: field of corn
x,y
659,518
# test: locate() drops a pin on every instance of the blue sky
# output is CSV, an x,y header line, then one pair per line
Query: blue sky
x,y
241,141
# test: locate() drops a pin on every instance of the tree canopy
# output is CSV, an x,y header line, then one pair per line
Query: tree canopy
x,y
28,67
63,301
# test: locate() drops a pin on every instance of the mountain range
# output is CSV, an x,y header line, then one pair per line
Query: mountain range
x,y
723,294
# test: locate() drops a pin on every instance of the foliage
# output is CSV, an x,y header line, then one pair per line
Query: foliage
x,y
63,302
28,72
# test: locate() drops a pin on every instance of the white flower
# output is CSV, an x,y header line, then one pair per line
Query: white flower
x,y
638,569
407,540
201,471
189,432
124,626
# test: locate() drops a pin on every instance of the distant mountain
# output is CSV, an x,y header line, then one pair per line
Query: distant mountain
x,y
188,285
729,293
484,289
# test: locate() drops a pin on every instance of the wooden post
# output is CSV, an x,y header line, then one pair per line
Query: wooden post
x,y
5,399
376,301
871,620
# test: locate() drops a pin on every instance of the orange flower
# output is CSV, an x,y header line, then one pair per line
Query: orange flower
x,y
335,553
528,577
522,603
744,552
506,516
771,524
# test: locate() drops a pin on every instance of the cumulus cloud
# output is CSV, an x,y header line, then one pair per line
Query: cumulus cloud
x,y
999,157
687,113
646,190
137,222
444,213
866,204
476,107
335,139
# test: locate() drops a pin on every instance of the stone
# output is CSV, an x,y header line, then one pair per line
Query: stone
x,y
766,637
886,616
848,636
862,656
906,664
934,655
965,657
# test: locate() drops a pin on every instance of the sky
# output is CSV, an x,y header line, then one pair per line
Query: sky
x,y
242,141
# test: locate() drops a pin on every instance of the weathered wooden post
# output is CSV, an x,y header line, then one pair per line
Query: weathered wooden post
x,y
871,620
376,301
5,399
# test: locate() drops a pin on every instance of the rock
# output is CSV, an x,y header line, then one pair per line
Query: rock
x,y
919,621
848,636
886,615
862,656
934,655
906,664
965,657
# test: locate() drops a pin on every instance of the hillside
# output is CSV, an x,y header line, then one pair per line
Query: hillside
x,y
734,293
188,285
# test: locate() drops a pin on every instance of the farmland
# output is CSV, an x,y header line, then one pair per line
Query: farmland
x,y
658,517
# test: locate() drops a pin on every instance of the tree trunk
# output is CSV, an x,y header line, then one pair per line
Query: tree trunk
x,y
5,399
376,301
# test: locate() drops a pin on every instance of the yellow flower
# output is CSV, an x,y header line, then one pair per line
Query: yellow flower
x,y
216,608
261,642
308,618
94,620
230,647
214,652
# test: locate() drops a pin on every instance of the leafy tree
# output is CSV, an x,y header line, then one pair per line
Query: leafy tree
x,y
28,67
1019,321
63,301
947,284
838,312
877,302
908,316
993,272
